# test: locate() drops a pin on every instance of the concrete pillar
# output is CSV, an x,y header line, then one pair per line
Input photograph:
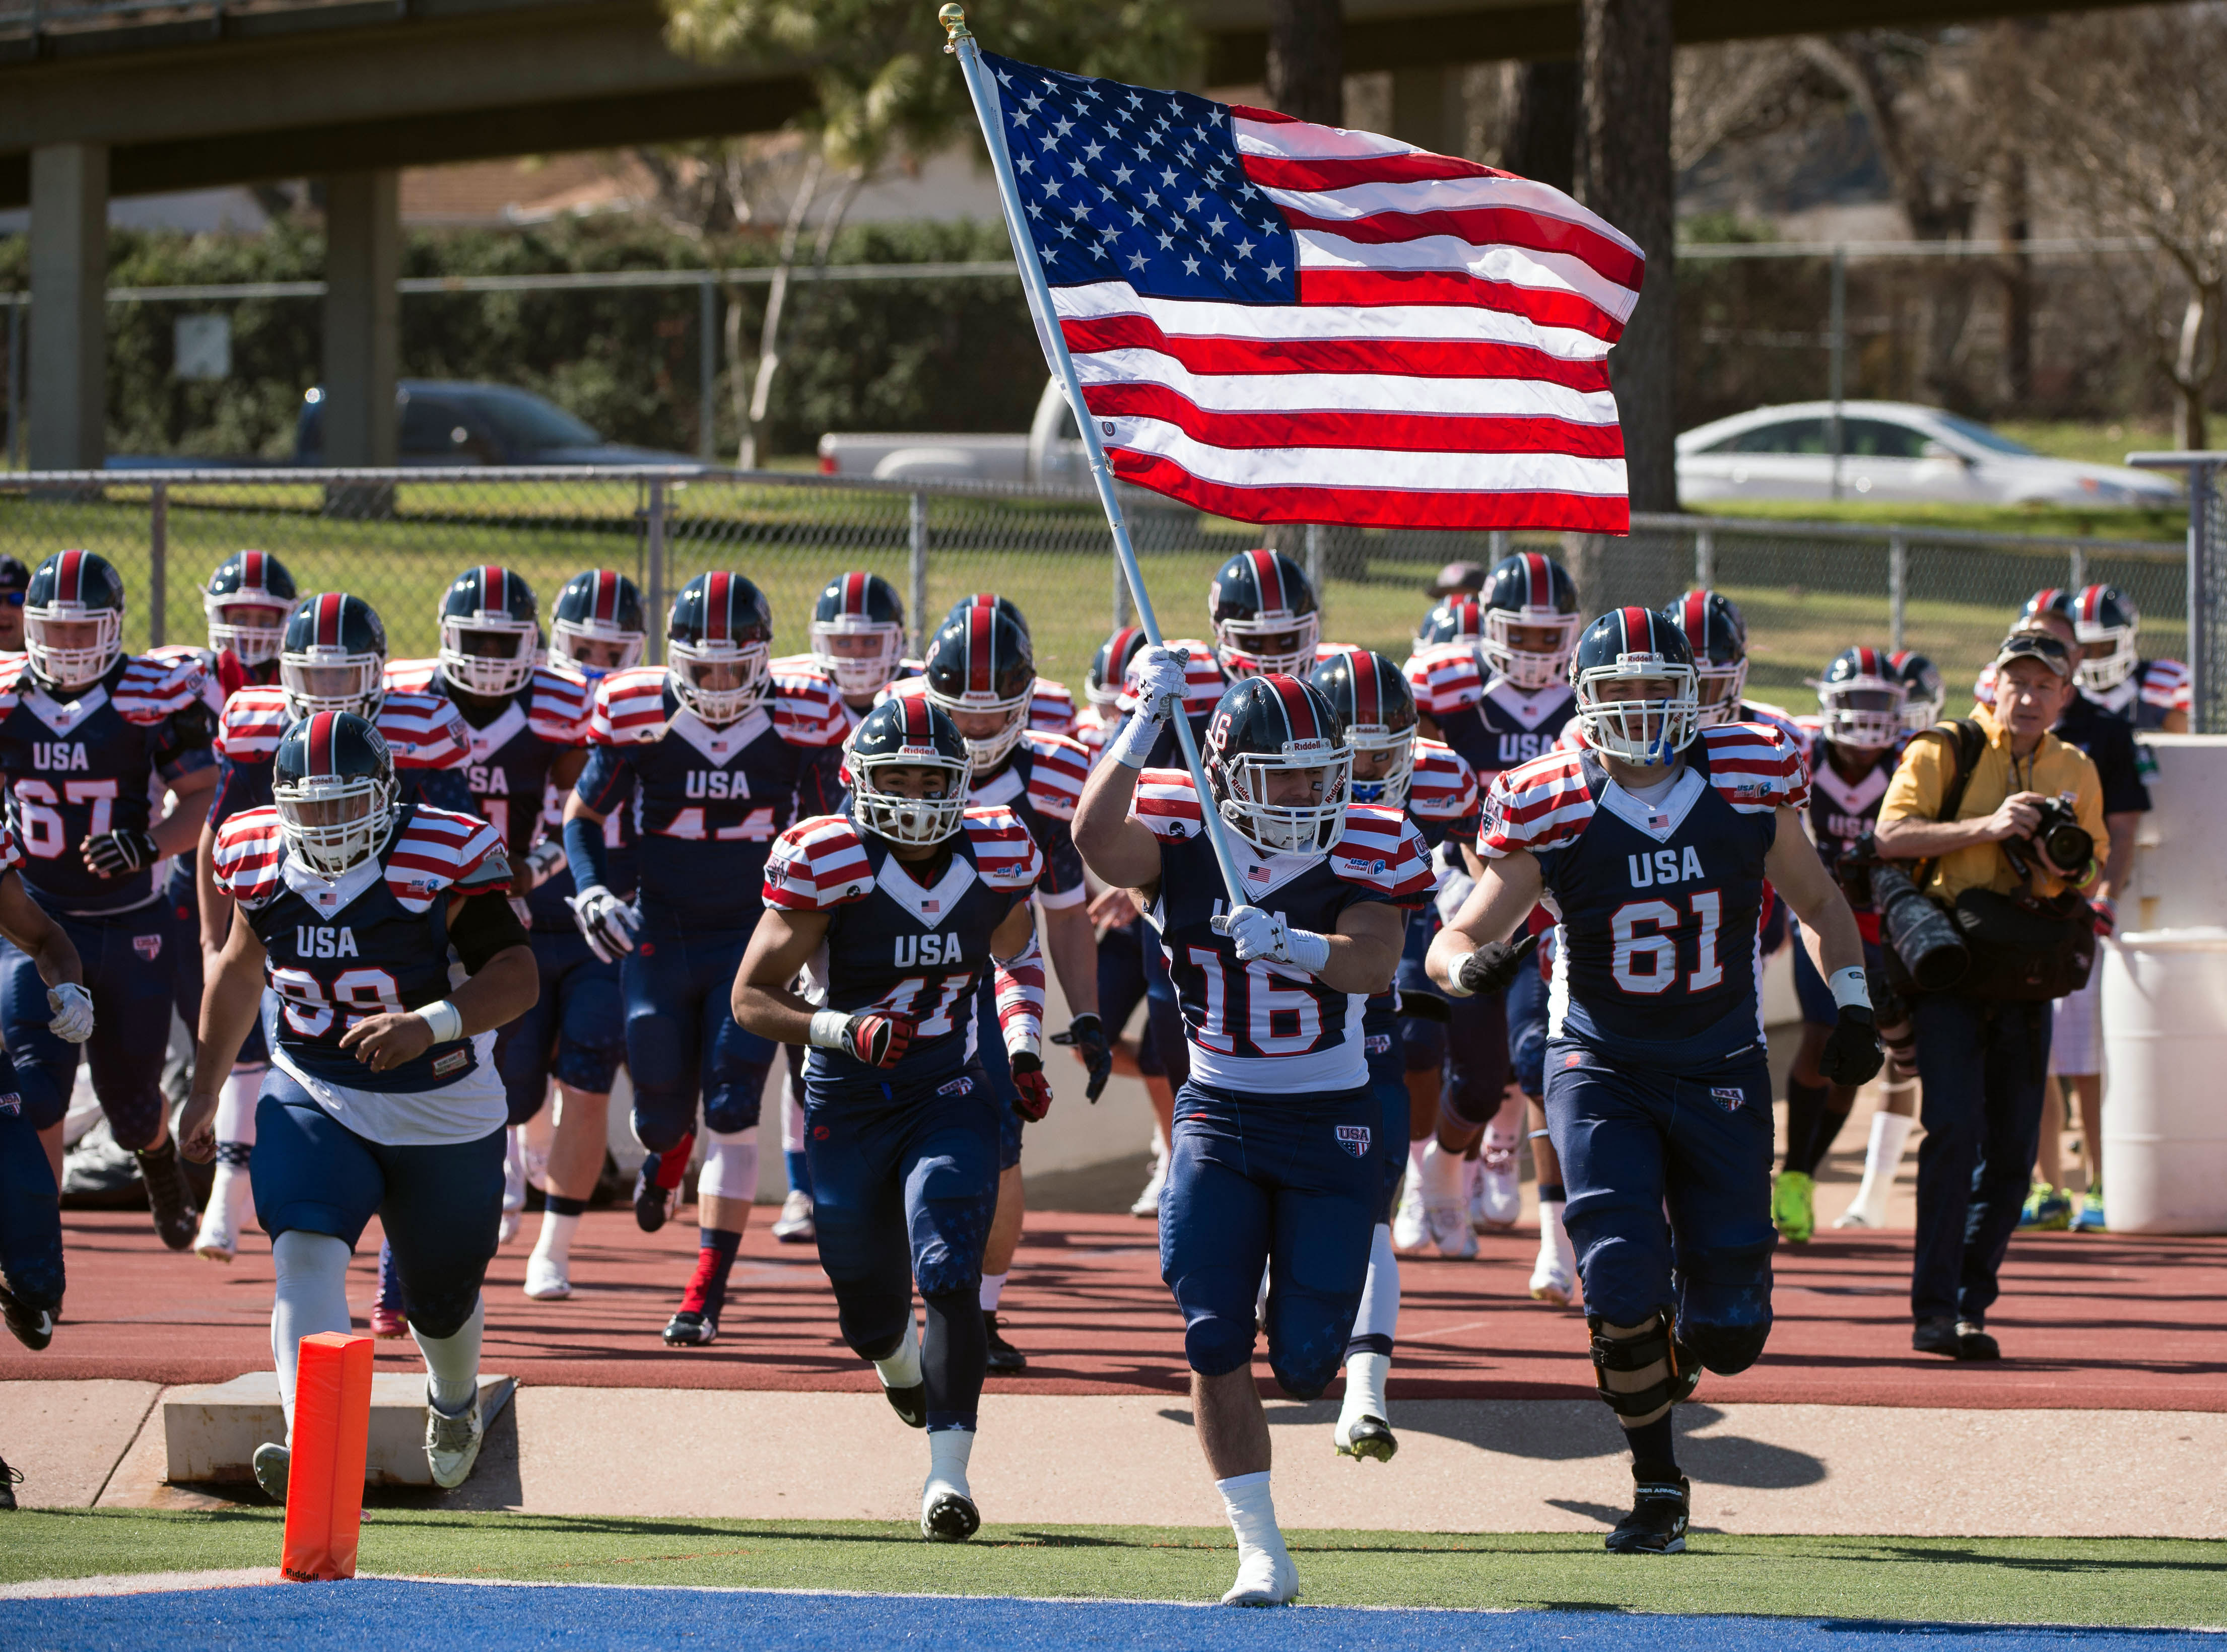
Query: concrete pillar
x,y
1427,108
69,276
363,260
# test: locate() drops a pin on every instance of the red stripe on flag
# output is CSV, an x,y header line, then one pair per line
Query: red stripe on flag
x,y
1377,506
1419,358
1246,111
1342,172
1373,289
1344,428
1479,227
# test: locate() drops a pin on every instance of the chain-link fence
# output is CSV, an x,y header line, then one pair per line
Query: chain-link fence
x,y
398,538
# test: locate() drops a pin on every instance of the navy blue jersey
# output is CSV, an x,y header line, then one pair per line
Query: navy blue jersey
x,y
1492,723
1658,906
1261,1027
96,763
1442,805
373,941
427,739
2109,740
704,805
919,952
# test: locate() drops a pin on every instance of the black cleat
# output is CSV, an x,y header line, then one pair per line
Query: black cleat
x,y
1958,1340
950,1518
652,1203
33,1327
9,1479
1657,1524
690,1330
168,1198
909,1404
1005,1360
1370,1438
1973,1342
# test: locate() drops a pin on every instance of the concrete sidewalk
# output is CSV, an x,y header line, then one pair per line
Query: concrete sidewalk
x,y
1464,1466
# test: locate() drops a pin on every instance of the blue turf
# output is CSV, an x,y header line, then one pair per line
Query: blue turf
x,y
437,1618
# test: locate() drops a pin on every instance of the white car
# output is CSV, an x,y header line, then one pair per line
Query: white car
x,y
1892,451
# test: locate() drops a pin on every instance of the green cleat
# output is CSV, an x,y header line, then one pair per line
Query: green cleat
x,y
1793,1206
2047,1210
2090,1217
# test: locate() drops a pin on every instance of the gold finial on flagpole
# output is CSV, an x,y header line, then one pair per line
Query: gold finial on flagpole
x,y
953,19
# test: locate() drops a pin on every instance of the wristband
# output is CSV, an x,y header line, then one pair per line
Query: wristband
x,y
827,1029
1454,987
1851,988
443,1020
1132,747
1310,951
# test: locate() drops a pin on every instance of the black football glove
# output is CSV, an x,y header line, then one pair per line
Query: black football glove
x,y
1086,1035
1852,1053
126,850
1494,966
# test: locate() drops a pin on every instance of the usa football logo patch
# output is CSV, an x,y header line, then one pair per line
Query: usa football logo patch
x,y
1355,1139
148,947
957,1087
1732,1100
11,1104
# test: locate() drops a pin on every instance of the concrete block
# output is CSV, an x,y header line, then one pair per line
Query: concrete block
x,y
211,1434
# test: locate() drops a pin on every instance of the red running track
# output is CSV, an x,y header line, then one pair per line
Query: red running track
x,y
2089,1322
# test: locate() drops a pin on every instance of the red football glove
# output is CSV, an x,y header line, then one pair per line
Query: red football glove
x,y
2107,915
877,1039
1033,1097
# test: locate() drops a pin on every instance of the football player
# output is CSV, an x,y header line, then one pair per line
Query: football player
x,y
1717,633
1393,769
2114,675
1654,842
1926,694
1051,705
706,754
350,908
900,908
332,657
89,737
575,1032
1499,699
1275,1159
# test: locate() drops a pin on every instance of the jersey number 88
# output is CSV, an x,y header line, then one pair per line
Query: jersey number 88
x,y
358,993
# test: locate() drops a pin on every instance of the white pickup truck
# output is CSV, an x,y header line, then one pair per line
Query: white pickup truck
x,y
1050,455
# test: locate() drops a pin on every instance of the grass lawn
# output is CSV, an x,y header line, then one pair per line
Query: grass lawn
x,y
2125,1582
2143,526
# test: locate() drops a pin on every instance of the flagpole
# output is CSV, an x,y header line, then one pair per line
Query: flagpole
x,y
963,46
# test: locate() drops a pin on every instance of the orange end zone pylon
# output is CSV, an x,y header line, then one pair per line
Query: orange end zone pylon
x,y
324,1482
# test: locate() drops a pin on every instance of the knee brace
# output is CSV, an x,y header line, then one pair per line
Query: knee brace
x,y
731,1165
1654,1344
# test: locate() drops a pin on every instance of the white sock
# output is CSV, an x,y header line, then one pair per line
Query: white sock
x,y
514,1168
1415,1160
452,1364
1252,1511
949,1450
1552,1233
902,1370
1364,1388
1380,1293
1441,1173
235,1103
993,1286
555,1241
1882,1155
310,1295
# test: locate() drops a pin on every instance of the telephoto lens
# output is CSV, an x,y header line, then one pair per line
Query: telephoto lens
x,y
1921,933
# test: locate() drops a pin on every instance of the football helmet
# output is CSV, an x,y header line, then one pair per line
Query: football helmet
x,y
859,605
1928,694
2052,599
1459,618
981,663
1860,699
74,619
1264,616
719,647
247,600
1109,666
1377,708
1637,645
333,782
333,657
1718,636
598,606
2104,616
907,731
1277,725
1529,591
988,599
490,631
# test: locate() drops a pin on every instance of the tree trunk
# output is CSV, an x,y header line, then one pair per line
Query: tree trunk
x,y
1628,181
2195,361
1306,59
753,435
1542,129
2018,286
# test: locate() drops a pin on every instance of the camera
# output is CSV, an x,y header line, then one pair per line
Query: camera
x,y
1922,935
2059,836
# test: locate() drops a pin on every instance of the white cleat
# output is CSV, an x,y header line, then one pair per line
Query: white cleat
x,y
1263,1579
1148,1201
793,1225
948,1514
1855,1216
1495,1199
452,1444
1410,1231
1554,1280
547,1280
1449,1229
216,1241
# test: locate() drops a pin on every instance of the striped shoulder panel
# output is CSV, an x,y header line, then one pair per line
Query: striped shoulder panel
x,y
438,852
808,712
818,863
411,676
1382,851
1983,687
424,731
630,707
559,709
1444,677
1541,804
2165,682
1810,726
171,653
14,667
796,665
248,849
1167,803
1057,768
11,852
1092,731
1204,679
150,689
1778,717
248,729
1051,707
1006,852
1445,786
1756,767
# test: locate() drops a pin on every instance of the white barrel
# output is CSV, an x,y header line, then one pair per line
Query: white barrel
x,y
2165,1099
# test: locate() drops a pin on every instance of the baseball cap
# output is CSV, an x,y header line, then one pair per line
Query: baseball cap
x,y
1459,576
14,576
2035,644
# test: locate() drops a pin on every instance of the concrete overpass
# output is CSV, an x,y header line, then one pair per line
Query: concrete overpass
x,y
101,98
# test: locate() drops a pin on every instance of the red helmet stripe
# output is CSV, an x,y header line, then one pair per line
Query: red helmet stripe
x,y
1367,693
492,594
250,571
607,594
1268,580
320,743
1693,618
980,631
2091,602
716,589
1867,663
66,577
1298,712
854,593
1639,621
328,618
915,715
1543,588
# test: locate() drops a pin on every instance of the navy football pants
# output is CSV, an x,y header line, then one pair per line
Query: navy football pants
x,y
1388,1080
1632,1142
30,1207
682,1038
1288,1182
576,1031
133,984
185,947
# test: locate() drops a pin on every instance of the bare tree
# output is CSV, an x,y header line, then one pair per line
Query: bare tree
x,y
1306,59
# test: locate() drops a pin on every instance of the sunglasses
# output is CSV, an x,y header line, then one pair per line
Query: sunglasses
x,y
12,598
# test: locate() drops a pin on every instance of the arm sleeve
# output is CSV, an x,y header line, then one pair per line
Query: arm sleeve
x,y
2119,767
484,926
1061,883
187,742
587,853
1020,984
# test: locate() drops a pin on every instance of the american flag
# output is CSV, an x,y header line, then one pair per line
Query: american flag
x,y
1279,322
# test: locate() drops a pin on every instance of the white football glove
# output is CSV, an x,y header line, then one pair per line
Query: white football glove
x,y
1158,678
608,923
1263,935
73,1012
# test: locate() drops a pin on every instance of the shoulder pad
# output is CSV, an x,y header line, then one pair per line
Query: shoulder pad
x,y
13,669
1381,850
808,712
1756,767
249,728
1538,804
2165,682
411,676
1444,677
558,708
1005,854
438,850
1776,716
630,707
213,689
1057,768
795,665
1204,681
1445,786
1051,707
818,863
1167,804
151,689
424,731
249,848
